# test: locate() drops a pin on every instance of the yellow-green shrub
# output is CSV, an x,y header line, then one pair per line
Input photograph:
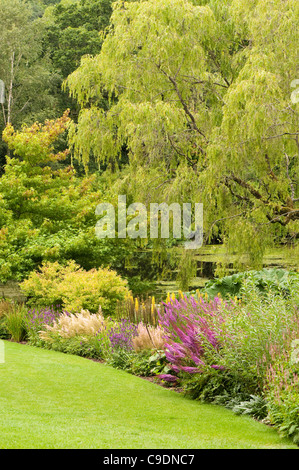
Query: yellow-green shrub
x,y
74,289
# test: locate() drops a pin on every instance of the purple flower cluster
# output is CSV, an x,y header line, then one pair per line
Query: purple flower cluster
x,y
36,319
122,334
168,378
191,327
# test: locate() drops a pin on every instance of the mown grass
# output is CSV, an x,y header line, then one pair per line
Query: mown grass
x,y
51,400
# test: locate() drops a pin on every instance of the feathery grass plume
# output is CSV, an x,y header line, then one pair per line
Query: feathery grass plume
x,y
148,337
69,325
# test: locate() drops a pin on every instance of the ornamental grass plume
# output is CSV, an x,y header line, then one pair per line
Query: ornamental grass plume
x,y
148,337
69,325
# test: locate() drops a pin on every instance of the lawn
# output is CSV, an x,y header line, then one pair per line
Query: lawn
x,y
51,400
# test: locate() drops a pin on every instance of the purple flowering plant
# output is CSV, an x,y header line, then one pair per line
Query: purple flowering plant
x,y
36,319
193,333
122,334
116,336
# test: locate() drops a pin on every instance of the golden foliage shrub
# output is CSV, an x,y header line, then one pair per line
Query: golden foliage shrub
x,y
73,289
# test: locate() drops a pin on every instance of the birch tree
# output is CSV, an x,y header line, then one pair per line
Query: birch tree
x,y
25,71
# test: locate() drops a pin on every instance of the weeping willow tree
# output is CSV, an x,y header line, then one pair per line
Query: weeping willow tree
x,y
198,95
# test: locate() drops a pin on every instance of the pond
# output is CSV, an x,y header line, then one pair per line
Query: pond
x,y
208,257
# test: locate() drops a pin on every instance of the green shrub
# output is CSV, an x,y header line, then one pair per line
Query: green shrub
x,y
217,386
254,328
78,345
285,417
140,287
147,363
74,289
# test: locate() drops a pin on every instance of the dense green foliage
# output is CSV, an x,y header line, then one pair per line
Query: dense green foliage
x,y
176,101
279,280
169,101
47,211
73,31
197,91
42,42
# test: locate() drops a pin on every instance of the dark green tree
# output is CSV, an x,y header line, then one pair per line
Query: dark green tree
x,y
73,31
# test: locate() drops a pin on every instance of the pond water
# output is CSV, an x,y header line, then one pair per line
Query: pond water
x,y
208,257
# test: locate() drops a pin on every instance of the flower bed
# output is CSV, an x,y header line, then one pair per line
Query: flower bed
x,y
242,354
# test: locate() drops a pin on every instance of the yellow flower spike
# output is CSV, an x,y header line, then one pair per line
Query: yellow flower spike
x,y
236,299
206,296
136,304
168,297
181,294
219,295
173,296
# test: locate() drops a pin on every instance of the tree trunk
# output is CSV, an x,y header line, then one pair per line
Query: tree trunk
x,y
10,90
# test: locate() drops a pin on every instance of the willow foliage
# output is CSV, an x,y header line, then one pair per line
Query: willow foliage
x,y
199,95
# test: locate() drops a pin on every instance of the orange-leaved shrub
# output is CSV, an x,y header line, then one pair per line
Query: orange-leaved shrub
x,y
73,289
